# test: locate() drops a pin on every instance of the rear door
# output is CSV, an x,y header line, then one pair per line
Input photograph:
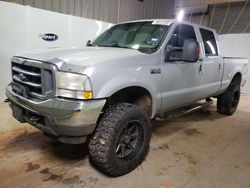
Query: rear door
x,y
211,64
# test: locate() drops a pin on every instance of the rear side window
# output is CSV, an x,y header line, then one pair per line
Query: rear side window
x,y
209,42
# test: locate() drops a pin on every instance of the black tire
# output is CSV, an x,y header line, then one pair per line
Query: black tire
x,y
227,103
116,128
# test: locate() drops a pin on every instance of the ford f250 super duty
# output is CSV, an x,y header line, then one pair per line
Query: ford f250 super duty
x,y
107,92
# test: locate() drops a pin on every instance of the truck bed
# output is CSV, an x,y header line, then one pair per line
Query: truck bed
x,y
232,65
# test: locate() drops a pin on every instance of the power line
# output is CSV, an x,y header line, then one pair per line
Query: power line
x,y
242,10
246,28
223,23
203,15
191,12
212,17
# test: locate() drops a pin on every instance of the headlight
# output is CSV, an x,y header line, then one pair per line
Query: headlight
x,y
73,86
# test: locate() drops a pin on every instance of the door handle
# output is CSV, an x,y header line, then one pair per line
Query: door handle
x,y
220,67
201,69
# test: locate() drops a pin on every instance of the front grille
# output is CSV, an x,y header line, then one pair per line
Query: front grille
x,y
31,79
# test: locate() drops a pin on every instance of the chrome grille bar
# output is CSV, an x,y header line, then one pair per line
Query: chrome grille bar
x,y
15,77
32,78
15,68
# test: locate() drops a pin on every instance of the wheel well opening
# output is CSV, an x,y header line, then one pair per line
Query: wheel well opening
x,y
236,79
134,95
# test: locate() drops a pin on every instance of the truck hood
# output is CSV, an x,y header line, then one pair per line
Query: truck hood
x,y
83,57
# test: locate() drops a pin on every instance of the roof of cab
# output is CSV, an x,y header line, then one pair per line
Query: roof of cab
x,y
166,22
156,21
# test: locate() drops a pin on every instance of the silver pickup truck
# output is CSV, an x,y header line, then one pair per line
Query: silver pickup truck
x,y
107,92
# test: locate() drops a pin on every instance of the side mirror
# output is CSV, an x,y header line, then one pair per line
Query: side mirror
x,y
191,50
88,43
173,53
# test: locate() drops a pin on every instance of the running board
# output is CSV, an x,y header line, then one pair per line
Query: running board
x,y
185,112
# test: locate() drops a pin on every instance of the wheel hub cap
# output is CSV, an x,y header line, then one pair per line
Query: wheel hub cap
x,y
128,140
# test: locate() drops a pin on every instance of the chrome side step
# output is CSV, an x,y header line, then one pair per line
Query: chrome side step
x,y
185,112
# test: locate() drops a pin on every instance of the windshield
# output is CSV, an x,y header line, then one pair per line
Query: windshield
x,y
138,35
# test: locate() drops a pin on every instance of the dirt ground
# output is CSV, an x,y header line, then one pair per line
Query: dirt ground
x,y
203,149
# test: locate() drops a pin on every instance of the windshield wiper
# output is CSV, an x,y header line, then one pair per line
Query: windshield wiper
x,y
147,50
115,45
90,44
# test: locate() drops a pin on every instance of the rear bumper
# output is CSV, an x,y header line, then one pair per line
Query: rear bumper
x,y
69,121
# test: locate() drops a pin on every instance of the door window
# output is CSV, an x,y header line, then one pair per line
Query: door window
x,y
174,48
209,42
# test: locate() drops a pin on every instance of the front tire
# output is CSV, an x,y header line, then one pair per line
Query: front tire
x,y
121,140
228,102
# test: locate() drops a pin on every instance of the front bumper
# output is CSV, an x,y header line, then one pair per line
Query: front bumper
x,y
69,121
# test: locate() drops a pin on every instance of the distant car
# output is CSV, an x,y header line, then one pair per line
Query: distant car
x,y
110,89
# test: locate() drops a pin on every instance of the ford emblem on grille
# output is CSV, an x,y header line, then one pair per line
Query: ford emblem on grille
x,y
49,37
22,77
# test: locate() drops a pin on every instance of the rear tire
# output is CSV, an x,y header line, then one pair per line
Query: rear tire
x,y
227,103
121,140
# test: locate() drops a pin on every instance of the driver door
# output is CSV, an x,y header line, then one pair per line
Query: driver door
x,y
181,80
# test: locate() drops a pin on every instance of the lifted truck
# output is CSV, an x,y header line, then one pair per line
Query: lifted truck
x,y
109,90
